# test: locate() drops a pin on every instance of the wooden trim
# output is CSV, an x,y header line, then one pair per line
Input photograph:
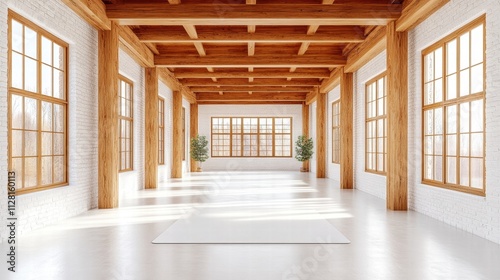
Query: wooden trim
x,y
255,96
92,11
320,134
305,130
137,50
336,126
347,135
177,135
161,130
244,82
184,146
173,83
333,81
152,122
273,89
374,44
257,102
416,12
266,73
130,119
193,131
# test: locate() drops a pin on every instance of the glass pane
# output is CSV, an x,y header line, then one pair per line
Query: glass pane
x,y
46,170
30,143
464,171
46,80
58,118
464,82
429,93
380,162
438,56
438,121
438,90
17,166
58,84
46,143
477,119
477,45
464,144
451,145
381,107
429,121
46,51
438,169
477,173
17,70
58,56
451,57
464,51
17,36
58,144
429,145
46,116
451,120
477,78
451,90
30,42
381,91
464,117
477,143
31,114
452,170
31,173
30,75
17,143
59,170
429,67
429,167
438,145
17,111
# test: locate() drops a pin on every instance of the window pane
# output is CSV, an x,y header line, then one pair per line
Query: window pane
x,y
477,173
58,56
30,42
438,168
477,118
464,82
17,36
451,145
438,55
438,90
30,144
451,90
477,79
17,166
477,51
451,57
464,145
17,143
438,121
17,70
46,170
438,145
451,120
429,121
46,144
31,114
477,144
58,118
46,80
452,170
31,172
464,117
464,51
59,170
59,84
429,67
30,75
17,111
46,51
429,93
429,167
429,145
46,116
464,171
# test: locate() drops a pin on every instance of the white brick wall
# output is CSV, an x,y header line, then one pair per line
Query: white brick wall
x,y
312,134
164,171
186,164
365,181
134,180
39,209
479,215
333,169
207,111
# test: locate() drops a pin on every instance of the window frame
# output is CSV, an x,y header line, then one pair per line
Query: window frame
x,y
444,104
161,130
39,97
258,134
336,127
383,76
130,119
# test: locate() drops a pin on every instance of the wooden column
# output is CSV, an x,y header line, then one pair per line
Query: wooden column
x,y
193,131
321,135
305,129
177,146
151,141
346,131
397,118
108,118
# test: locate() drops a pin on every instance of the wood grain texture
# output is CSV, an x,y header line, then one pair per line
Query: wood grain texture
x,y
321,101
257,73
334,80
252,88
397,118
416,12
374,44
177,136
135,48
193,132
255,96
108,118
92,11
311,97
305,129
346,130
151,129
245,82
236,14
173,83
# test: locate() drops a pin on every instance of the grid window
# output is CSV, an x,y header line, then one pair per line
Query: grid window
x,y
161,131
336,132
251,137
37,106
453,112
376,125
126,123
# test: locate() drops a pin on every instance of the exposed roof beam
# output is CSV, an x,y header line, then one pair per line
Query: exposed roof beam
x,y
137,50
254,61
173,83
374,44
174,1
93,11
245,89
333,34
328,84
248,102
255,96
257,73
235,14
244,82
416,12
328,1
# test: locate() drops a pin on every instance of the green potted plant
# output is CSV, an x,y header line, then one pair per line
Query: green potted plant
x,y
199,150
304,150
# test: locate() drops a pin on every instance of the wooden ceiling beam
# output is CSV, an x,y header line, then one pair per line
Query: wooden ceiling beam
x,y
247,102
255,96
366,51
235,14
416,12
334,34
93,11
328,1
257,73
174,2
254,61
173,83
245,82
334,80
246,89
137,50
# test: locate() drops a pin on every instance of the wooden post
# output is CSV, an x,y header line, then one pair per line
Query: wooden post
x,y
193,127
305,129
177,146
346,130
320,134
108,118
151,141
397,118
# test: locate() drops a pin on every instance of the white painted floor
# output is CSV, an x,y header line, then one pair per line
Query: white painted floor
x,y
116,244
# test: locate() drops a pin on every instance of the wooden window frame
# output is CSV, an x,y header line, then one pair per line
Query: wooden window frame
x,y
161,130
184,146
445,104
376,119
336,128
39,97
128,119
257,134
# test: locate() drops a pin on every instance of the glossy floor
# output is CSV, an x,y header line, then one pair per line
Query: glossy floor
x,y
116,244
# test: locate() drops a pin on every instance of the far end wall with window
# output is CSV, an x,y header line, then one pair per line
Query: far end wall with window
x,y
228,163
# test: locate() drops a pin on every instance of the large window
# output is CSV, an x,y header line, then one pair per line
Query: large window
x,y
184,151
37,106
161,131
126,119
336,132
251,137
376,125
453,110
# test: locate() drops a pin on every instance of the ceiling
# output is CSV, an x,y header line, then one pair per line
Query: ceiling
x,y
252,50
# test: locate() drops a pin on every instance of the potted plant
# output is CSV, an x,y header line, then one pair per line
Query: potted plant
x,y
304,150
199,150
